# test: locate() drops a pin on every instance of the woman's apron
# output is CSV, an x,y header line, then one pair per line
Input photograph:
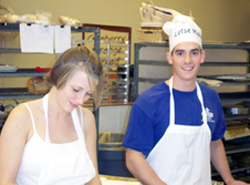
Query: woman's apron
x,y
182,155
67,163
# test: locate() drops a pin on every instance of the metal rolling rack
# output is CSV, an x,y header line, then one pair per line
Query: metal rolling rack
x,y
225,97
116,88
116,70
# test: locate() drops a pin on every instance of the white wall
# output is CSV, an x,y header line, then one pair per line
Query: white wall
x,y
114,118
219,19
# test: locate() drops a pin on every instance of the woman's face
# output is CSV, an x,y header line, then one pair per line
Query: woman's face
x,y
76,91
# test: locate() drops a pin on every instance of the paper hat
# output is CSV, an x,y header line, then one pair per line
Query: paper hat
x,y
182,29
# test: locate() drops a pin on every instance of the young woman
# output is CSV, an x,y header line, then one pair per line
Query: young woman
x,y
53,140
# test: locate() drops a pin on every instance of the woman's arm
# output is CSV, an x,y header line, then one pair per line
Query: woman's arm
x,y
12,141
90,139
138,166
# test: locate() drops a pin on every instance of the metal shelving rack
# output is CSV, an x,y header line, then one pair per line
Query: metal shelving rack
x,y
22,93
116,90
225,97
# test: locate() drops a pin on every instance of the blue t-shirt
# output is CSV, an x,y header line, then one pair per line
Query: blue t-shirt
x,y
149,116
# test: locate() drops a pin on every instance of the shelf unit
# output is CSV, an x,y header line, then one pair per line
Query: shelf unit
x,y
224,96
227,97
22,93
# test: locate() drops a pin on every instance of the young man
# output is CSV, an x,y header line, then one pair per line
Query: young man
x,y
175,128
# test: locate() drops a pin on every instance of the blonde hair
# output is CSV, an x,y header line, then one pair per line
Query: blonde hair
x,y
75,59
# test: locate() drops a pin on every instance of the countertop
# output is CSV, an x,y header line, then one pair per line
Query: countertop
x,y
115,180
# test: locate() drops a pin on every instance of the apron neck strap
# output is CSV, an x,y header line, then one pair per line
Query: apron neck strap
x,y
45,109
172,104
74,115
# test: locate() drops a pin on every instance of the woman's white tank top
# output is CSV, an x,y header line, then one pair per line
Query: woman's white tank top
x,y
36,167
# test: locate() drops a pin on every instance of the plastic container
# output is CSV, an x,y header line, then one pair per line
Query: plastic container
x,y
111,155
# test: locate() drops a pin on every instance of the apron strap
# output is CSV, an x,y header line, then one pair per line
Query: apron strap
x,y
172,105
77,124
76,121
32,118
45,109
204,115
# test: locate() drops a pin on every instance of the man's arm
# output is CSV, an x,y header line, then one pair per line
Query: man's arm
x,y
219,160
138,166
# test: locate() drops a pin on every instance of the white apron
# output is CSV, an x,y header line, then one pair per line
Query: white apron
x,y
182,155
69,163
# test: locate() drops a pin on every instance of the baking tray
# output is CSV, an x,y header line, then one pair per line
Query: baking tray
x,y
229,77
8,68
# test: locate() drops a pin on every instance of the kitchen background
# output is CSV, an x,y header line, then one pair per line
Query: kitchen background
x,y
220,20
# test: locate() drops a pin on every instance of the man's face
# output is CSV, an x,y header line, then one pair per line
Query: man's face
x,y
186,59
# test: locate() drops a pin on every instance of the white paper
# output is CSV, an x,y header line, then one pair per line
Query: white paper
x,y
62,38
46,39
27,35
36,38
